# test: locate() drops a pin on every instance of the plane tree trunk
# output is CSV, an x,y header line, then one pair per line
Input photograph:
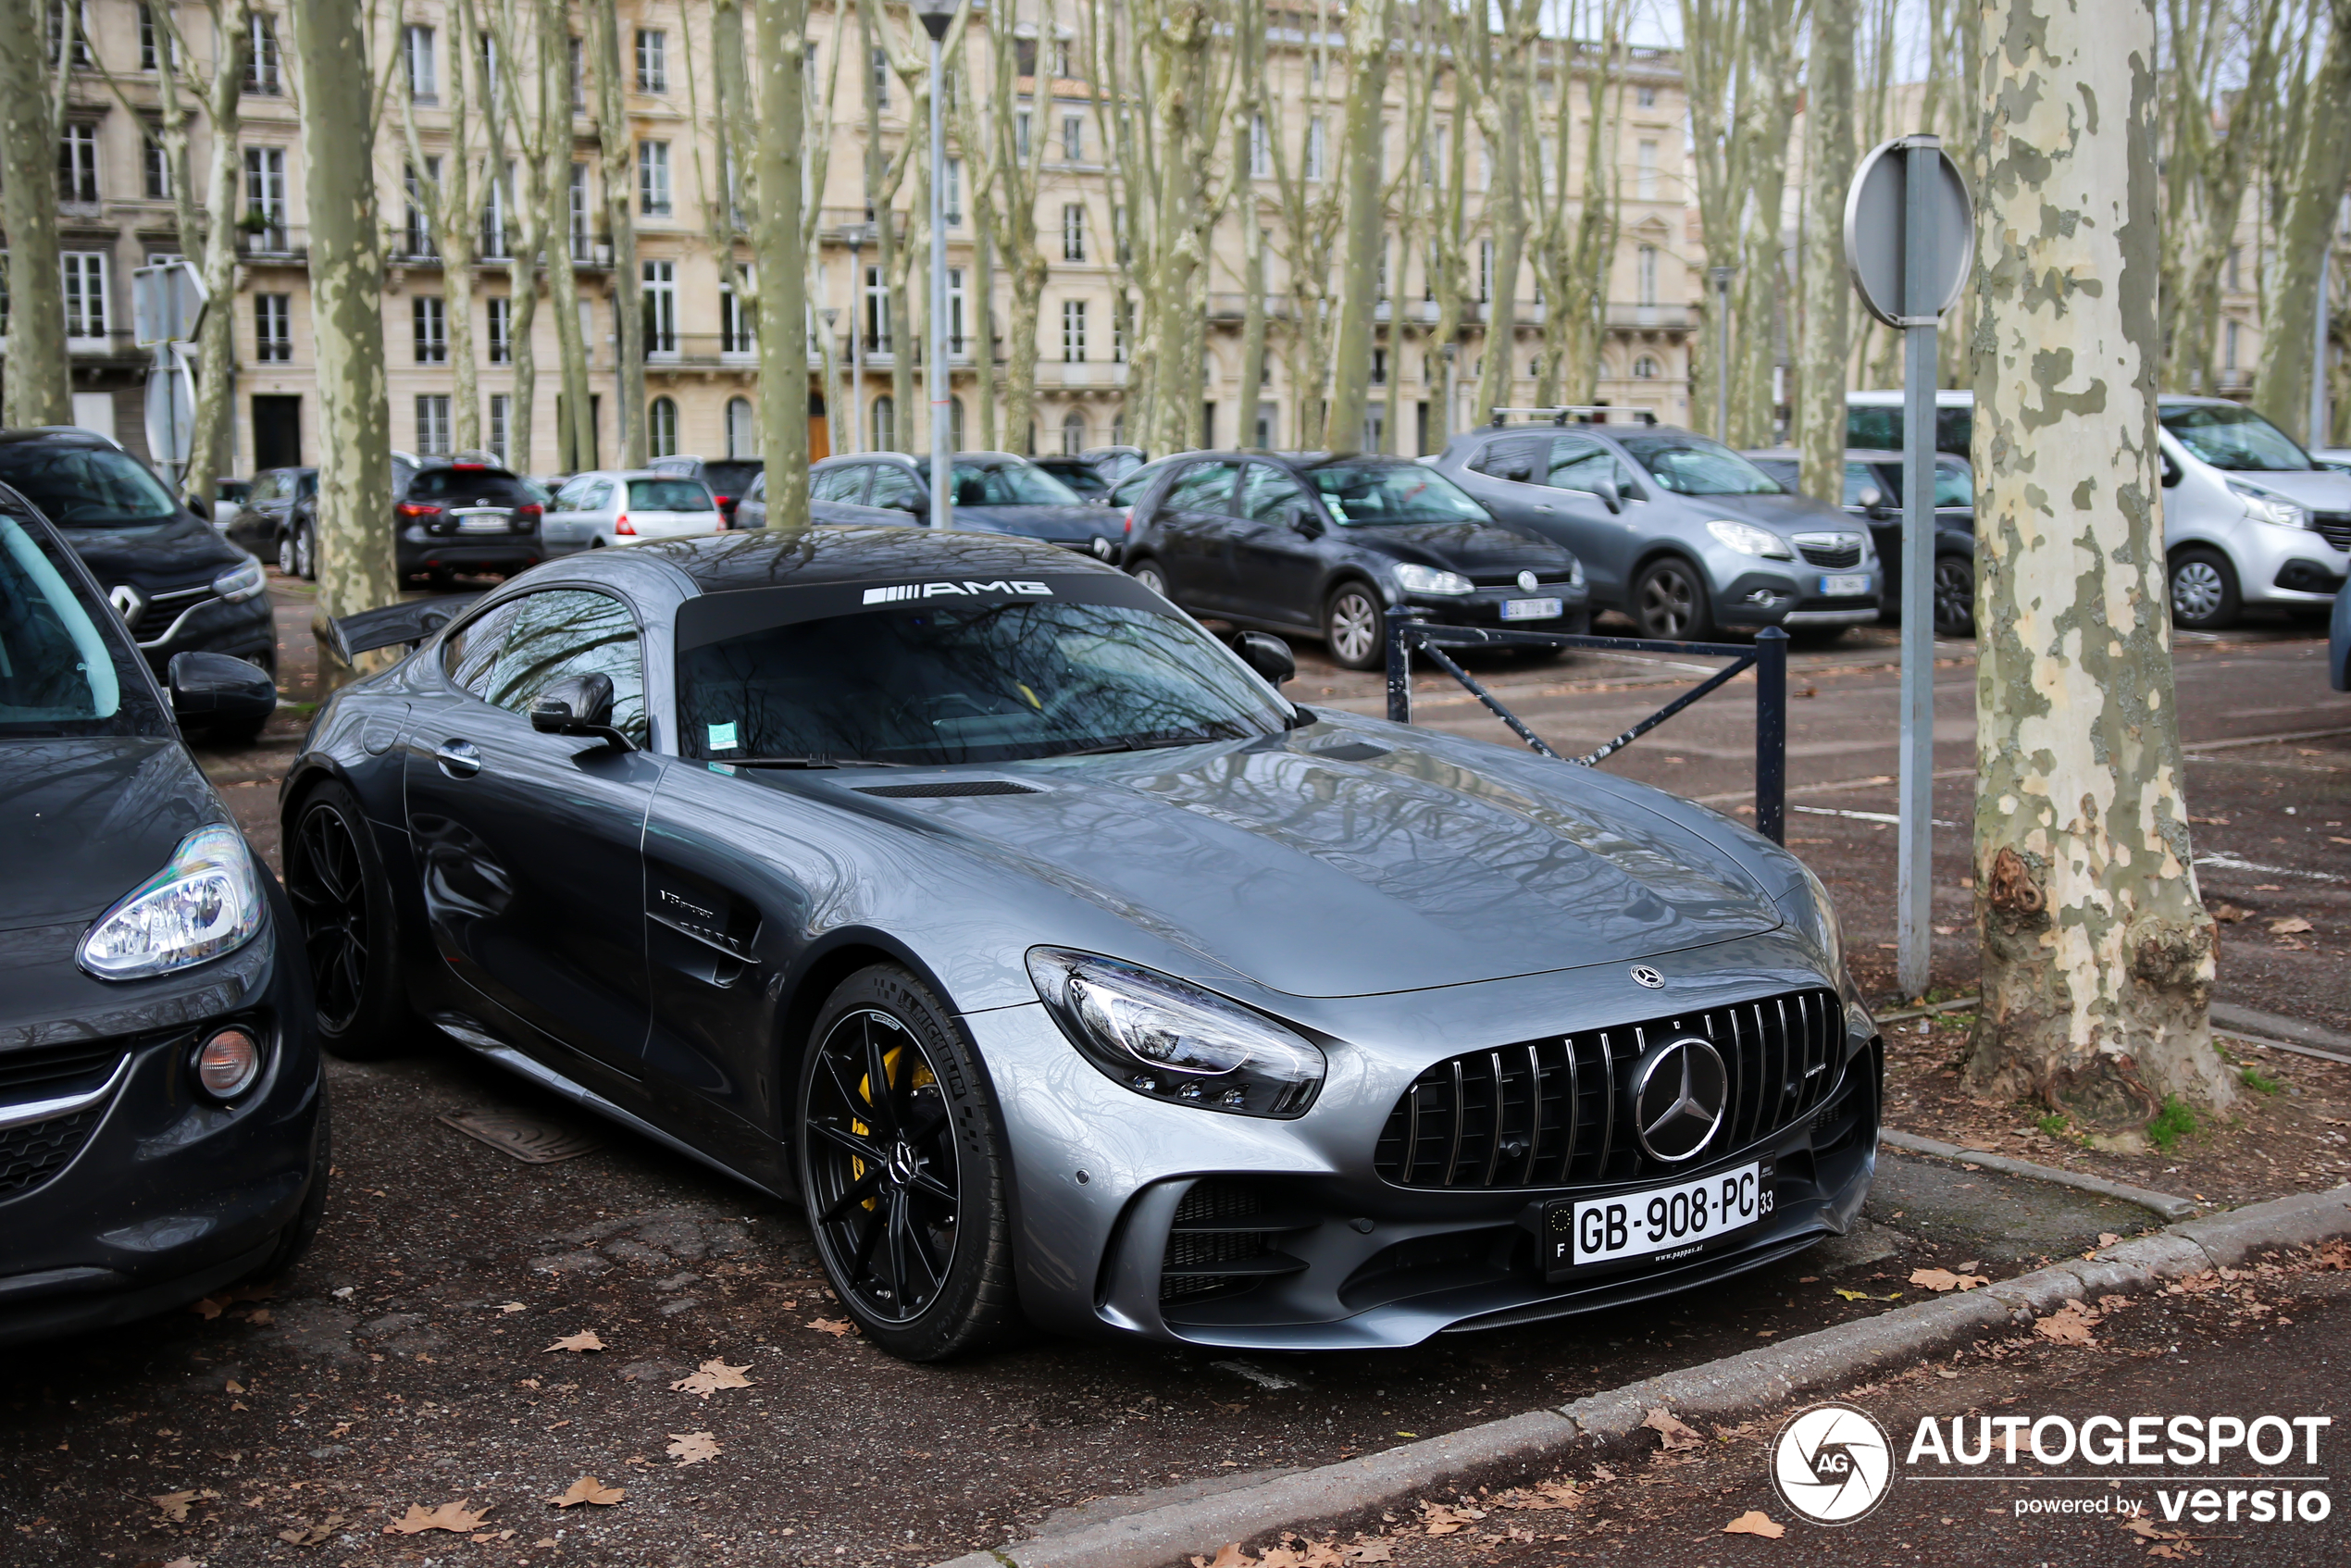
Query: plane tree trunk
x,y
778,50
2322,165
1827,342
1366,234
39,386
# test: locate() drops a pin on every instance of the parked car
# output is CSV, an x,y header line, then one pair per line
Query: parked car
x,y
1333,545
228,500
1872,491
163,1125
174,581
908,874
995,493
2248,516
1086,481
628,506
279,521
729,478
1873,420
1676,530
465,516
2335,457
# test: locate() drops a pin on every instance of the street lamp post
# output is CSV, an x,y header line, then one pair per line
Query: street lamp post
x,y
936,16
831,314
854,235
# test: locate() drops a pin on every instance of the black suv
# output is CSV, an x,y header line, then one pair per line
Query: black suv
x,y
729,478
279,519
467,517
1333,544
175,582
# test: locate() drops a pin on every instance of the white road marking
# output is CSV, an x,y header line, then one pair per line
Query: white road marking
x,y
1256,1375
1887,817
2231,862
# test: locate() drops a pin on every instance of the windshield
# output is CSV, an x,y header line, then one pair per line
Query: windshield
x,y
2237,439
1010,484
85,486
935,682
1080,478
59,673
1370,494
1689,464
668,495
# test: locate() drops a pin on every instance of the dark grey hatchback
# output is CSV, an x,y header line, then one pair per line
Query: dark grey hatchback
x,y
1336,545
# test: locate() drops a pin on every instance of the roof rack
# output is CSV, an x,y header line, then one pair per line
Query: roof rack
x,y
1577,412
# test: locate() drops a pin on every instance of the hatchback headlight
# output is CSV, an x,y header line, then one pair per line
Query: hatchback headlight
x,y
2268,507
1576,573
1416,578
241,584
1168,1039
205,902
1748,539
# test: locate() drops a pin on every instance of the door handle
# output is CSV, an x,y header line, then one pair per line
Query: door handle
x,y
458,759
1542,506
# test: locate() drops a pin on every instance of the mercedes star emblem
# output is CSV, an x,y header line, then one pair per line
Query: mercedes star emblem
x,y
1679,1093
1648,978
1527,582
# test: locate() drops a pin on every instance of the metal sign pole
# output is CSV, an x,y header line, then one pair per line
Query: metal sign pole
x,y
1915,880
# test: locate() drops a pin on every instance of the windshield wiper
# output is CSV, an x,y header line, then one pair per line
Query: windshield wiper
x,y
817,761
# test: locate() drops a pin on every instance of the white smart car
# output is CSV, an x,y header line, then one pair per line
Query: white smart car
x,y
627,507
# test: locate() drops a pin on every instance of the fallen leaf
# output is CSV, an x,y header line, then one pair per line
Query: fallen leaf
x,y
514,1307
452,1516
175,1504
692,1448
836,1327
2145,1528
2108,1238
1440,1519
210,1306
1373,1551
2291,925
714,1375
589,1490
258,1316
584,1341
2209,821
1602,1473
1944,1279
2067,1327
313,1535
1232,1556
1865,1296
2229,914
1669,1428
1755,1522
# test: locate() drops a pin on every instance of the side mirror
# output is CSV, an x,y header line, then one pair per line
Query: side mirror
x,y
2171,474
1267,655
1303,518
212,689
579,704
1611,495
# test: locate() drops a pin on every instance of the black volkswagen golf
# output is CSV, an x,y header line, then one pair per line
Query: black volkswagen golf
x,y
1335,545
163,1127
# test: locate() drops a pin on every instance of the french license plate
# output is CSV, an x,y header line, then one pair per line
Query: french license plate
x,y
1848,586
484,522
1662,1224
1531,609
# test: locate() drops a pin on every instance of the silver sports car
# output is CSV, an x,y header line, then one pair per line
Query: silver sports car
x,y
978,900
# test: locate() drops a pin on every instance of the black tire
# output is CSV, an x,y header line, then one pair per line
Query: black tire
x,y
288,562
1954,596
885,1202
2204,596
343,904
1152,575
294,1240
1669,601
1355,626
306,550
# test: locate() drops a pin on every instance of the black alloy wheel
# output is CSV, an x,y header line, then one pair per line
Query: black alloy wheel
x,y
1668,602
900,1170
343,909
1954,596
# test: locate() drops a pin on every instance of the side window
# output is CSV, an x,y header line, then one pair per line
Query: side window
x,y
567,632
1872,426
567,498
1130,490
305,487
1204,487
1954,485
1860,477
832,484
1580,463
1522,458
1268,494
469,654
599,496
892,486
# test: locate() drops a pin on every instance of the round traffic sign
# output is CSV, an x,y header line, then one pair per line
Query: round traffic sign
x,y
1877,233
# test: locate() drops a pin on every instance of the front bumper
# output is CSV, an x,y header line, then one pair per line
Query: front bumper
x,y
246,630
1789,597
1485,608
1101,1174
2282,565
158,1195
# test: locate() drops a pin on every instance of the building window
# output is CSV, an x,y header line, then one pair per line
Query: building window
x,y
273,328
417,230
1646,178
576,63
743,434
652,60
1316,136
1073,432
1073,138
1268,421
416,48
154,162
80,23
1379,366
496,194
1121,309
576,211
653,178
661,426
85,289
1073,331
661,306
77,163
151,40
261,55
1260,149
951,197
1020,134
1073,232
877,312
1060,60
266,196
430,315
1484,271
1644,274
432,425
955,338
884,424
501,331
737,324
501,409
880,78
2229,345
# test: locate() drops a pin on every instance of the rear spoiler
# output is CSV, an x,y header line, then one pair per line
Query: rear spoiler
x,y
395,626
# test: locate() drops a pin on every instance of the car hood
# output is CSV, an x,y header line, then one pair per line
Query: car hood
x,y
1782,514
166,553
88,819
1478,549
1388,867
2318,488
1042,522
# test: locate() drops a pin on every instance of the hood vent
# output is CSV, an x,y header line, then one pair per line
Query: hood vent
x,y
1349,750
947,790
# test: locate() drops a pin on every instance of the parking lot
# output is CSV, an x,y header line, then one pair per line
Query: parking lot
x,y
429,1350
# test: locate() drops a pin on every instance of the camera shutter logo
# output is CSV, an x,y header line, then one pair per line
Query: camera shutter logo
x,y
1832,1463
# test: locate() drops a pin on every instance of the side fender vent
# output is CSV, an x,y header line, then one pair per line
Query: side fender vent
x,y
947,790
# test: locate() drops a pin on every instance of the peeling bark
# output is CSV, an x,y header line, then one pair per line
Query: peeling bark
x,y
778,50
1364,236
2322,165
1826,345
38,389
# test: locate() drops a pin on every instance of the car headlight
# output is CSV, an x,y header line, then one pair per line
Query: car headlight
x,y
1820,920
241,584
2268,506
205,902
1168,1039
1748,539
1576,573
1416,578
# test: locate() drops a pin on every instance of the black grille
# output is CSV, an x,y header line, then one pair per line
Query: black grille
x,y
2334,527
32,1154
947,790
1551,1112
168,605
1833,555
1221,1241
46,1074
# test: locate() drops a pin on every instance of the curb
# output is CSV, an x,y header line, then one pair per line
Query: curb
x,y
1155,1536
2170,1205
